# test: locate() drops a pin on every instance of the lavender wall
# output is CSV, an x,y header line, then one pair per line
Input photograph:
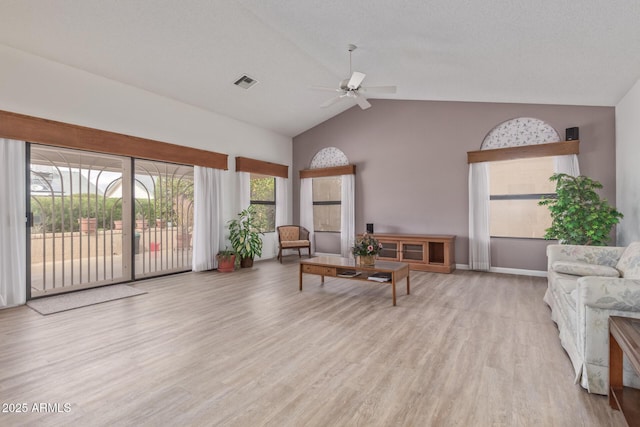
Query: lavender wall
x,y
411,169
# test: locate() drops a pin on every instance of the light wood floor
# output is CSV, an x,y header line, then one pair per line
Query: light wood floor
x,y
249,349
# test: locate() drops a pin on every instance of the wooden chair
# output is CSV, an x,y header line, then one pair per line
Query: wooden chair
x,y
293,237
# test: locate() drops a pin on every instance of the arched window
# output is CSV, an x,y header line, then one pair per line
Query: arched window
x,y
327,191
327,201
510,179
516,186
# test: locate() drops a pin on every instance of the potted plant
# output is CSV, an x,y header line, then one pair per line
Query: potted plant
x,y
245,237
579,216
226,260
366,248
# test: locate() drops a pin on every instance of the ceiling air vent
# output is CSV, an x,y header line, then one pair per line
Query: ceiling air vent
x,y
245,82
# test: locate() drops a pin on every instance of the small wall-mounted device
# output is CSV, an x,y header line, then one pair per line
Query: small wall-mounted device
x,y
572,134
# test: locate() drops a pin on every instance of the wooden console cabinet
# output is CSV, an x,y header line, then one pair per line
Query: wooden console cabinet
x,y
434,253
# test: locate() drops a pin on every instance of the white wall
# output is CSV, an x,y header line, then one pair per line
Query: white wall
x,y
38,87
628,165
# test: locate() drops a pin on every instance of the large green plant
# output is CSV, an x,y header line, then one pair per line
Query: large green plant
x,y
579,216
245,235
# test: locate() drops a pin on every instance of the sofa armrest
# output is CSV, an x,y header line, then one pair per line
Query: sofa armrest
x,y
601,255
609,293
597,299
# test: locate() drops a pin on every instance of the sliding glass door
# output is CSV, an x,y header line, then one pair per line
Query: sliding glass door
x,y
99,219
78,238
163,217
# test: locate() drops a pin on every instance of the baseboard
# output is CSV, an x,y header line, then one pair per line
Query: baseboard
x,y
518,271
504,270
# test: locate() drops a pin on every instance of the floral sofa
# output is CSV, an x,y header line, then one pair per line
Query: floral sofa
x,y
587,284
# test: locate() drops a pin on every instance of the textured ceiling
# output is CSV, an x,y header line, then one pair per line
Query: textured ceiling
x,y
546,51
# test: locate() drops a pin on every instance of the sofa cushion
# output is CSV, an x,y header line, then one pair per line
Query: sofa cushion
x,y
629,262
295,243
578,268
564,283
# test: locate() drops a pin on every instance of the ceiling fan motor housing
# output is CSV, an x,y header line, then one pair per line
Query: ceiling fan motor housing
x,y
344,85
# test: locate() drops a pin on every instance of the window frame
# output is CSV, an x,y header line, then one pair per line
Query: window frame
x,y
326,203
264,202
518,196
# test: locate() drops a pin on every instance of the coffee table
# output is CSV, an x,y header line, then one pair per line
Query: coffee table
x,y
624,338
338,266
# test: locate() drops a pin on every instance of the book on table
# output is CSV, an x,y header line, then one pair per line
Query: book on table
x,y
348,273
380,277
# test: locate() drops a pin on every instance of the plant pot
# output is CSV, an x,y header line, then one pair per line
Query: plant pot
x,y
183,240
142,224
117,224
226,264
367,260
246,262
88,225
161,223
154,246
136,243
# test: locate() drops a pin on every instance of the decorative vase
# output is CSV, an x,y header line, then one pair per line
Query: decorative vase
x,y
367,260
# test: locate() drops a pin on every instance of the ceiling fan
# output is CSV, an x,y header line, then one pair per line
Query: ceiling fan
x,y
351,88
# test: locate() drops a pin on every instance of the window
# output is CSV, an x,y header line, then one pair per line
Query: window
x,y
327,193
263,199
516,186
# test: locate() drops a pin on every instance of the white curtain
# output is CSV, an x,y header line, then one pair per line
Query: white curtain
x,y
347,215
282,202
282,208
13,257
479,241
206,217
244,190
306,208
567,164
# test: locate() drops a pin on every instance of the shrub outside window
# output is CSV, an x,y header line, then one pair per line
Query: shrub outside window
x,y
263,198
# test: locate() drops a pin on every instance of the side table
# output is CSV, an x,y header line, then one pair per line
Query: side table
x,y
624,338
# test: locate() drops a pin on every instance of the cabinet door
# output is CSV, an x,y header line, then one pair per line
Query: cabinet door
x,y
413,252
389,250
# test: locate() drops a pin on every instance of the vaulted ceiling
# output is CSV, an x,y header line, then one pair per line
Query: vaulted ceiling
x,y
547,51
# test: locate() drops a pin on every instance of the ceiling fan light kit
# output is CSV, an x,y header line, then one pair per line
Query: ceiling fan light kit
x,y
351,87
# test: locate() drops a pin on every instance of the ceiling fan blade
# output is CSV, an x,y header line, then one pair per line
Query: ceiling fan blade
x,y
355,80
331,101
326,89
379,89
361,100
